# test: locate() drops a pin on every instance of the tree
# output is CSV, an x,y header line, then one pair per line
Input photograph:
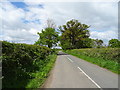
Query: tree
x,y
96,43
99,43
48,37
64,43
72,33
114,43
87,43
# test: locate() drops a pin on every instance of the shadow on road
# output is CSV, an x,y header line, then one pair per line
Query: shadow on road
x,y
61,53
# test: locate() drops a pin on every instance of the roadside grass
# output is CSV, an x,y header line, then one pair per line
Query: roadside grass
x,y
42,75
108,64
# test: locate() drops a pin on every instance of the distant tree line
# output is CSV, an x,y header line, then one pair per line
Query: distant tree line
x,y
114,43
73,35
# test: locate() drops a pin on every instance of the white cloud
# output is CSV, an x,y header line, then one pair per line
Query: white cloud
x,y
13,28
37,1
33,31
101,16
105,35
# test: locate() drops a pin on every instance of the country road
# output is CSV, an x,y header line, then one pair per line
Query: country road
x,y
72,72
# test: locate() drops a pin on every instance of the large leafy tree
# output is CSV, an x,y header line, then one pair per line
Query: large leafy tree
x,y
114,43
72,33
87,43
48,37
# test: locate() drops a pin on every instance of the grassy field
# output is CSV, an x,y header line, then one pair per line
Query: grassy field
x,y
104,57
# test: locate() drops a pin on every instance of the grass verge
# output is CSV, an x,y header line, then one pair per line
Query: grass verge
x,y
108,64
42,75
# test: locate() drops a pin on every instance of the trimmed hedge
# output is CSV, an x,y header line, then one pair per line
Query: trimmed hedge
x,y
19,61
104,53
105,57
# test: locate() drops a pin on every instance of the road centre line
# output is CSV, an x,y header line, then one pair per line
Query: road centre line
x,y
69,59
90,78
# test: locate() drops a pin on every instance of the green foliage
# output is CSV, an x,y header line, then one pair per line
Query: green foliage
x,y
99,43
21,61
114,43
105,57
73,34
85,43
41,75
48,37
65,44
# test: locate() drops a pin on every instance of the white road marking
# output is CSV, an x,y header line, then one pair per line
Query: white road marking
x,y
90,78
69,59
86,74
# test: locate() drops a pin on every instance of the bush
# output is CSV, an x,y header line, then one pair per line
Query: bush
x,y
19,61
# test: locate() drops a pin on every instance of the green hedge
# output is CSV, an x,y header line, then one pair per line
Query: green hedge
x,y
104,53
20,61
105,57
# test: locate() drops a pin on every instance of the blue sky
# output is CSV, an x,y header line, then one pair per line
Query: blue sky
x,y
19,4
22,20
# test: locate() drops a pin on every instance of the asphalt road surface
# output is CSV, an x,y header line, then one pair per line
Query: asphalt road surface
x,y
72,72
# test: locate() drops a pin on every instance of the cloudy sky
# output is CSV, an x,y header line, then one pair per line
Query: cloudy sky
x,y
22,20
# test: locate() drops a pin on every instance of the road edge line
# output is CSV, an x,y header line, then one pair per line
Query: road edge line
x,y
89,78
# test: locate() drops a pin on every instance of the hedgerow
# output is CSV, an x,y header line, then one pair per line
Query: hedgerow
x,y
105,53
105,57
20,61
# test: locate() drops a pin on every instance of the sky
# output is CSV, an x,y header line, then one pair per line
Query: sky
x,y
21,20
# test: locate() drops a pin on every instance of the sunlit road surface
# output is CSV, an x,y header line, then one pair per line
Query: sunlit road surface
x,y
72,72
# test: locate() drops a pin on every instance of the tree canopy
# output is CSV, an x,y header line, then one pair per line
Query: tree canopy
x,y
73,33
48,37
114,43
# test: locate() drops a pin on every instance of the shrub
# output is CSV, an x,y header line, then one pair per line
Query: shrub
x,y
20,61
